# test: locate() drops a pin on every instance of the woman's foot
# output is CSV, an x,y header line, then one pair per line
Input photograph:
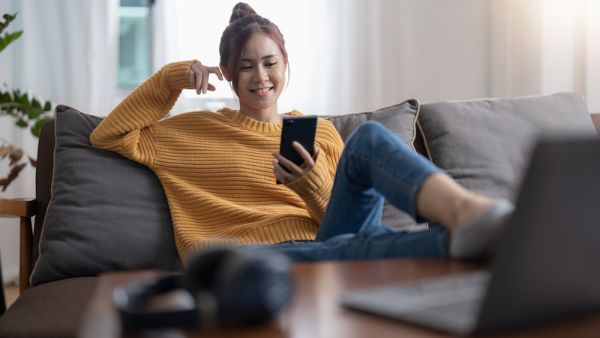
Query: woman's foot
x,y
474,220
477,236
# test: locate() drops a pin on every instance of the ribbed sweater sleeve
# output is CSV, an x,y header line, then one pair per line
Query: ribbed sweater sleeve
x,y
315,187
128,129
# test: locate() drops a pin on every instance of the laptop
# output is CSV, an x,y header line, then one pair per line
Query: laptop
x,y
547,264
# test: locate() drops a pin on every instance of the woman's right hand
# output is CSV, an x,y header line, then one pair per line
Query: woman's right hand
x,y
198,75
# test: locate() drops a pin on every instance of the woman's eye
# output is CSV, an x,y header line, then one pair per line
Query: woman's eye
x,y
243,68
271,65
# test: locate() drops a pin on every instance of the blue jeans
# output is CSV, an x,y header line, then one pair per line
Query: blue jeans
x,y
375,164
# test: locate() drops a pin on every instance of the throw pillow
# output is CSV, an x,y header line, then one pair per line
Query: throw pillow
x,y
401,119
105,212
485,144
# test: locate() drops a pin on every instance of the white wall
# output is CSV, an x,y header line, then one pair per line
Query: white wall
x,y
514,48
545,46
66,55
443,49
592,53
428,49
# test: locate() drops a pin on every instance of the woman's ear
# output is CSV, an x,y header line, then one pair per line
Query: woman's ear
x,y
225,72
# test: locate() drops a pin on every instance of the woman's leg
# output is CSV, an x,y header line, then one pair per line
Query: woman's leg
x,y
375,163
366,245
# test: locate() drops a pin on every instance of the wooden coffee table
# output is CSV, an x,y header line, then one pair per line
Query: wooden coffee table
x,y
315,312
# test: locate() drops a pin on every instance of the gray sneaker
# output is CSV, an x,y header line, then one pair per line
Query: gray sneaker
x,y
478,239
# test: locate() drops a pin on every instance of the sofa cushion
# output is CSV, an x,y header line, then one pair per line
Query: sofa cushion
x,y
51,310
485,144
86,231
401,119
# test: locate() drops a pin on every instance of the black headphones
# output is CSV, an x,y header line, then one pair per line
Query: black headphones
x,y
223,286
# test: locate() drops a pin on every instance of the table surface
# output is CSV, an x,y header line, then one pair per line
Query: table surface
x,y
315,311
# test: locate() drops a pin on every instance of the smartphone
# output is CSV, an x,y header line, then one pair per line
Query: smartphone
x,y
301,129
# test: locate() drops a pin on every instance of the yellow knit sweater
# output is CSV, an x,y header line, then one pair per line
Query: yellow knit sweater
x,y
216,167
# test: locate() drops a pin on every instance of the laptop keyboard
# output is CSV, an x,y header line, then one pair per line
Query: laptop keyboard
x,y
459,308
461,292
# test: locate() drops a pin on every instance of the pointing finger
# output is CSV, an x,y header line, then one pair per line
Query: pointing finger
x,y
216,71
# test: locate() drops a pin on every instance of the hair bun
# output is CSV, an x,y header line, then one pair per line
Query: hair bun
x,y
240,10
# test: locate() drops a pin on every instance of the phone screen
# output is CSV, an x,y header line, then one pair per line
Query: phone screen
x,y
301,129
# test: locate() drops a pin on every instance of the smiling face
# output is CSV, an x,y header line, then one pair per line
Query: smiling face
x,y
261,77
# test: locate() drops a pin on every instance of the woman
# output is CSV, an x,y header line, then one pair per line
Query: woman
x,y
218,169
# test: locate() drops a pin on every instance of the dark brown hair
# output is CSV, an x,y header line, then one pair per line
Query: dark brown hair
x,y
243,23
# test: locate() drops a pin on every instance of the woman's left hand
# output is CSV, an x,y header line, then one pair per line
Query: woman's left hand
x,y
294,171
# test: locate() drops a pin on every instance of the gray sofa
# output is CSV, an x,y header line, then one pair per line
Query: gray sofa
x,y
78,233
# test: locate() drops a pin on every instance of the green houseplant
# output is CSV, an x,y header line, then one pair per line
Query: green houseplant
x,y
28,112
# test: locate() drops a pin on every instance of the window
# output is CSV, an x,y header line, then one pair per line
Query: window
x,y
135,49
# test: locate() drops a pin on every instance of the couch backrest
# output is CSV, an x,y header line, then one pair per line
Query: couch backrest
x,y
45,165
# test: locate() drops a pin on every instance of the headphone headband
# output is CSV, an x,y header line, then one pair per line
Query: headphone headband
x,y
224,285
132,303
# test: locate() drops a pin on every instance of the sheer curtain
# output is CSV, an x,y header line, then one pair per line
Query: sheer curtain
x,y
351,55
67,54
592,69
382,52
545,46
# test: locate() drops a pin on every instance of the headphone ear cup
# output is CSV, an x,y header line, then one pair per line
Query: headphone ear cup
x,y
248,287
202,270
252,287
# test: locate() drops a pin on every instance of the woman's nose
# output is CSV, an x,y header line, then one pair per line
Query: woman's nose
x,y
261,74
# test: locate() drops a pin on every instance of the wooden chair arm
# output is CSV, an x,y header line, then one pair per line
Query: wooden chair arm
x,y
18,207
24,209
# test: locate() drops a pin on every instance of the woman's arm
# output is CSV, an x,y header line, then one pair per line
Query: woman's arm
x,y
128,129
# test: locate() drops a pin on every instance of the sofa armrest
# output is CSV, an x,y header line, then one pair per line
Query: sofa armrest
x,y
596,120
24,209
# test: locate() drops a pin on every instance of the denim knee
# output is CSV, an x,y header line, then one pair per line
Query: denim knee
x,y
364,133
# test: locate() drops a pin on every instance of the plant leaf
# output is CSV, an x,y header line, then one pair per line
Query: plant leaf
x,y
8,38
21,123
35,109
4,97
36,129
35,103
15,156
23,99
5,150
7,19
33,162
14,173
